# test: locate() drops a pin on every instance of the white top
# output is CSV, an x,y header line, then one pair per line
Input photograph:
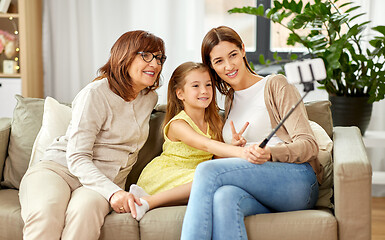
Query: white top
x,y
249,106
104,136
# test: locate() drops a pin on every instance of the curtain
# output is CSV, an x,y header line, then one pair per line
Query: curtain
x,y
78,36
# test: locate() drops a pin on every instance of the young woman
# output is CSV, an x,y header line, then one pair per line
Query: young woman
x,y
284,175
82,174
192,135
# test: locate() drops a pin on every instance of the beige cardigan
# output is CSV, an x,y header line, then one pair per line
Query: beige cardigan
x,y
299,144
104,137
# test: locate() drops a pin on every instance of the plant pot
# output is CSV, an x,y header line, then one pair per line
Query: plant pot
x,y
351,111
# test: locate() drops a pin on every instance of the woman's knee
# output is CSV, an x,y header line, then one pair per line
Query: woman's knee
x,y
85,202
226,196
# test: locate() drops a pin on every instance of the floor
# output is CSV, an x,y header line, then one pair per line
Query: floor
x,y
378,218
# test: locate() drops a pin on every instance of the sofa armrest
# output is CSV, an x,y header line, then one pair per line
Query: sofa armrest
x,y
352,184
5,130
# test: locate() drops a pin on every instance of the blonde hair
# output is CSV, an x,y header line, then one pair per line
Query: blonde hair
x,y
175,105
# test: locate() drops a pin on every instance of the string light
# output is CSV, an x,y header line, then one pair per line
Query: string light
x,y
16,32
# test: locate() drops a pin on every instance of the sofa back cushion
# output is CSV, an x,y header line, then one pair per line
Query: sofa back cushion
x,y
25,125
319,112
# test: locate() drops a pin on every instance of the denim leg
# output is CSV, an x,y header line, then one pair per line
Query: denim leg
x,y
278,186
230,206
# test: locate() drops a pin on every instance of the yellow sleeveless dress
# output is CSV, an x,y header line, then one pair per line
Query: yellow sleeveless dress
x,y
177,163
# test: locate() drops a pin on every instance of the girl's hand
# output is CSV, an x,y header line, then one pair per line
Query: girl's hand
x,y
124,202
257,155
238,139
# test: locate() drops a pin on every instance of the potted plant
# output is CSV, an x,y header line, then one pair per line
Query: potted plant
x,y
354,73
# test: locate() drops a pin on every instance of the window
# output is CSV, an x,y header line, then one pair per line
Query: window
x,y
246,26
271,37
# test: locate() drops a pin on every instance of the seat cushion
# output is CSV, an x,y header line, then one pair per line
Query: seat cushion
x,y
116,226
307,224
119,226
11,224
162,223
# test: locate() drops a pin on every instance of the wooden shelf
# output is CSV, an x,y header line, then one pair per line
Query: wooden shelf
x,y
16,75
27,17
8,15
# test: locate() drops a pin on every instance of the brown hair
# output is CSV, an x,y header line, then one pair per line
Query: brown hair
x,y
122,55
213,38
175,105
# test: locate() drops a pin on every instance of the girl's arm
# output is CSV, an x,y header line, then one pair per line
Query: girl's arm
x,y
180,130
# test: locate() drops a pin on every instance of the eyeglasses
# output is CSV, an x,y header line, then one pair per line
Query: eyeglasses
x,y
147,57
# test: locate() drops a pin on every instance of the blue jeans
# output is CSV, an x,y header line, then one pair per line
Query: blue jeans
x,y
225,191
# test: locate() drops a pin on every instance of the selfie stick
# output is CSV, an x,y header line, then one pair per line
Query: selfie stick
x,y
308,86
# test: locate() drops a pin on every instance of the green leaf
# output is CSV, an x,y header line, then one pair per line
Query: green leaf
x,y
357,16
352,9
260,10
293,56
262,59
252,65
277,4
299,7
346,4
286,4
380,29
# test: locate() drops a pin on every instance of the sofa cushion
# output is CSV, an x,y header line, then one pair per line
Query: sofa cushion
x,y
11,224
119,226
25,125
56,119
325,145
307,224
5,129
319,112
162,223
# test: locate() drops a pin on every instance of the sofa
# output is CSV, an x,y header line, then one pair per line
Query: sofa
x,y
343,210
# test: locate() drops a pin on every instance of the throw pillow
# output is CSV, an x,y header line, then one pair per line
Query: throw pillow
x,y
25,125
56,119
325,145
319,112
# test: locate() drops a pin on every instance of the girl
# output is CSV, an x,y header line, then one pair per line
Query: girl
x,y
192,133
70,191
284,175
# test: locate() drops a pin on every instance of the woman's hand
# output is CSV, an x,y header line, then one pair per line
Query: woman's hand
x,y
257,155
124,202
238,139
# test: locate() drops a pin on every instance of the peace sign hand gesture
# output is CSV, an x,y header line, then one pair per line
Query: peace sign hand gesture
x,y
238,139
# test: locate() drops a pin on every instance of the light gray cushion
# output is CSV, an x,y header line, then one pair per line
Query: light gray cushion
x,y
5,129
307,224
119,226
162,223
11,224
26,123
